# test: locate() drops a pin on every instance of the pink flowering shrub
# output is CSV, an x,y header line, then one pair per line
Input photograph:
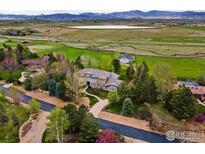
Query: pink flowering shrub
x,y
107,136
200,118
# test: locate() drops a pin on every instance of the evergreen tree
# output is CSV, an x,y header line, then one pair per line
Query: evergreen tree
x,y
127,109
130,71
2,55
58,89
78,63
52,58
142,72
28,84
116,65
19,53
52,87
181,103
88,130
201,80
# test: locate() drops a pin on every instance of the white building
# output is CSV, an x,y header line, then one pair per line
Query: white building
x,y
99,79
126,58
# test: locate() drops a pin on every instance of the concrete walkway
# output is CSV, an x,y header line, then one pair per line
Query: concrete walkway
x,y
34,135
203,104
84,91
99,106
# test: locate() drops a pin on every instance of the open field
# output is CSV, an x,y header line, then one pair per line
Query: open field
x,y
181,47
189,68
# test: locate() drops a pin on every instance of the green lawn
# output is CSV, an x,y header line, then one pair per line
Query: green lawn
x,y
117,107
93,100
100,93
185,68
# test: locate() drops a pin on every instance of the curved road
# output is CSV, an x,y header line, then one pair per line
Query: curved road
x,y
123,129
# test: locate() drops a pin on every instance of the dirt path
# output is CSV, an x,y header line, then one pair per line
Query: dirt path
x,y
34,135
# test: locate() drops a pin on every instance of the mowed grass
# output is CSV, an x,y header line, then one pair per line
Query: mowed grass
x,y
183,68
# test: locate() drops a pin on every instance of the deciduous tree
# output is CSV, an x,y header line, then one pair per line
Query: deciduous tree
x,y
164,79
34,105
58,124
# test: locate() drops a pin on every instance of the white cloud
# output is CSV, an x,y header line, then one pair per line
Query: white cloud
x,y
36,6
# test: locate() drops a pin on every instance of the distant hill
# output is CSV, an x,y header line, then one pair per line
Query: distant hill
x,y
136,14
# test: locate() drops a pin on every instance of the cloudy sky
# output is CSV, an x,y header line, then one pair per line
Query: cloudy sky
x,y
78,6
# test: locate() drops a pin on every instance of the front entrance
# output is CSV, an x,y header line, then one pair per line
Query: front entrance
x,y
88,84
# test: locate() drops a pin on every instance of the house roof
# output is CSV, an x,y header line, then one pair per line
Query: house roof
x,y
113,82
96,73
199,90
130,57
35,61
188,83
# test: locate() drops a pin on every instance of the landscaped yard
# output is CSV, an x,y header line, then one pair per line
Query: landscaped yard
x,y
100,93
14,117
93,100
5,75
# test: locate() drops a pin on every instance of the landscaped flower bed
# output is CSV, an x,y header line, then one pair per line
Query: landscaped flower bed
x,y
200,118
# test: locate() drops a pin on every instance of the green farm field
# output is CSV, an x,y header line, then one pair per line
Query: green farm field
x,y
180,47
184,68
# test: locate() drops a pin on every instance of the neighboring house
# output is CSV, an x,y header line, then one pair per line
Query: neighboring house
x,y
99,79
36,62
188,84
199,92
126,58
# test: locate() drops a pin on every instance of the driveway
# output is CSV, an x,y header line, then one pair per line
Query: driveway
x,y
99,106
34,135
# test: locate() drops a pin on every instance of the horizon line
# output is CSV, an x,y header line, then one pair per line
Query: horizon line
x,y
77,12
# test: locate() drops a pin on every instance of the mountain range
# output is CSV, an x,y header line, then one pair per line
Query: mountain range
x,y
135,14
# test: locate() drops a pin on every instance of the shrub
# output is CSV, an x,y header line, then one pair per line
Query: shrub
x,y
200,118
34,105
107,136
127,109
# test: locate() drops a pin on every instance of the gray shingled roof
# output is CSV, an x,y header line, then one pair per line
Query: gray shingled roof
x,y
96,73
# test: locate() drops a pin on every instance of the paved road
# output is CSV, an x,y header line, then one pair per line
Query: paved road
x,y
123,129
25,99
134,132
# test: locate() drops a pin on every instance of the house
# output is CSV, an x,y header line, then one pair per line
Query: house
x,y
126,58
199,92
99,79
36,62
188,84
